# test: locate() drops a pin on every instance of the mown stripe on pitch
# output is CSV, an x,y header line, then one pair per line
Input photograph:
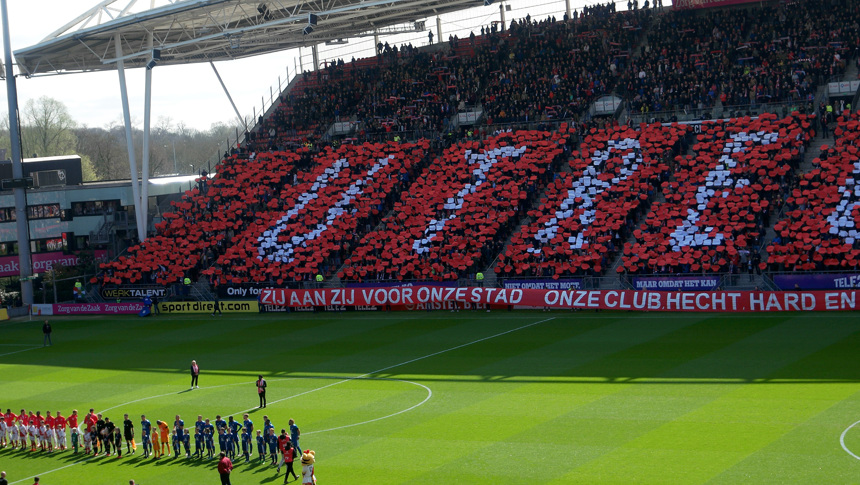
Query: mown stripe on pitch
x,y
702,452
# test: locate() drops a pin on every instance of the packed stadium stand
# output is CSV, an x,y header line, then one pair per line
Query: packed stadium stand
x,y
456,217
541,186
588,212
778,52
822,215
719,199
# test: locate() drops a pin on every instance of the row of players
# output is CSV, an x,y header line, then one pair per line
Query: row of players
x,y
42,430
100,435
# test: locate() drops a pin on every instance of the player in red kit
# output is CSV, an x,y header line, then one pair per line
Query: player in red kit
x,y
49,422
73,419
9,418
60,429
37,419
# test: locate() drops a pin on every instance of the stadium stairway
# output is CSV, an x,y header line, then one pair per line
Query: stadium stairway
x,y
93,294
201,291
805,166
850,71
490,278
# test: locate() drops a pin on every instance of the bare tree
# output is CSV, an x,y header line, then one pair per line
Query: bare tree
x,y
47,128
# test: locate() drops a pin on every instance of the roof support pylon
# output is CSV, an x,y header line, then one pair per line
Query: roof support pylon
x,y
129,141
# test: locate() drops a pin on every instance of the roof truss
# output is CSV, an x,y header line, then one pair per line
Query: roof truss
x,y
190,31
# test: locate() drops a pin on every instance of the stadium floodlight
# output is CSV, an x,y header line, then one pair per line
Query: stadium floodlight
x,y
153,60
264,11
307,30
312,18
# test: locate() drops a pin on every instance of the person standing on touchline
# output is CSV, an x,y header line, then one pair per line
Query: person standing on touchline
x,y
261,390
195,372
46,329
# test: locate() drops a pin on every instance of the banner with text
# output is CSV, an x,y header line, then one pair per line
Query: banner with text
x,y
546,284
694,301
43,262
133,292
87,309
829,281
209,307
674,283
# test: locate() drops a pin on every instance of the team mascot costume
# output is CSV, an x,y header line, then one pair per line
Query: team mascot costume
x,y
308,460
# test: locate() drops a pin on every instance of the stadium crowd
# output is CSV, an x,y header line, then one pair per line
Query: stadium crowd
x,y
822,214
745,56
288,208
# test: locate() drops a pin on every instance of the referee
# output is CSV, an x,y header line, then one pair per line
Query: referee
x,y
128,434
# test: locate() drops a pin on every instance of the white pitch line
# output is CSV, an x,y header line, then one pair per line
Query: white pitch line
x,y
187,390
19,351
407,362
51,471
842,440
365,376
429,395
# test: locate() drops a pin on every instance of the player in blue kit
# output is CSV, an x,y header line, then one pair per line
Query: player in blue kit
x,y
176,438
220,423
198,433
261,446
186,443
210,427
246,445
267,425
222,440
273,446
198,442
236,439
145,429
230,444
210,442
234,425
248,424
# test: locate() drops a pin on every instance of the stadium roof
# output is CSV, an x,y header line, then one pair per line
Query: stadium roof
x,y
190,31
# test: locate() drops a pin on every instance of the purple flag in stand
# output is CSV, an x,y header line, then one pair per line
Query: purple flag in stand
x,y
675,283
817,281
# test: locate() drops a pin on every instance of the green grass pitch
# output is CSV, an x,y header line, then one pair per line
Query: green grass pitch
x,y
467,398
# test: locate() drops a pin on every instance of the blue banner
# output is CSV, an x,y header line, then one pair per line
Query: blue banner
x,y
675,283
543,284
842,281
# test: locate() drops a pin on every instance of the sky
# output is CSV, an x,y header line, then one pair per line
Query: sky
x,y
191,94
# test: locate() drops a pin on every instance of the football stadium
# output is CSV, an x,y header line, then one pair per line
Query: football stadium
x,y
470,241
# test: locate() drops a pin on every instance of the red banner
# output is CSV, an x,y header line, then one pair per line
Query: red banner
x,y
698,301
